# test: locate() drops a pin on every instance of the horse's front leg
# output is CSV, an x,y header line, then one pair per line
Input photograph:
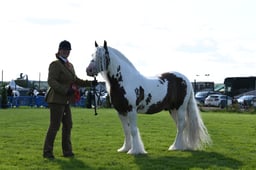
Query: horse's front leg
x,y
127,140
137,146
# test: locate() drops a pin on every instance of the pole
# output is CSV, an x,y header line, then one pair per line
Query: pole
x,y
94,91
195,90
2,77
39,82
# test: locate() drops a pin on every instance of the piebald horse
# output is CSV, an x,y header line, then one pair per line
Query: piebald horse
x,y
131,93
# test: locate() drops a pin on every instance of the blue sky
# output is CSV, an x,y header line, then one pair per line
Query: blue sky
x,y
194,37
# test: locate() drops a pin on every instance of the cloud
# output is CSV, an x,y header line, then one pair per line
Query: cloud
x,y
192,37
48,21
200,46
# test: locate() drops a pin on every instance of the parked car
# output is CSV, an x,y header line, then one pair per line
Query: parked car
x,y
218,100
246,100
201,95
254,101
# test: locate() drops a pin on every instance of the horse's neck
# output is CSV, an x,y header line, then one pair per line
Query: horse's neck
x,y
119,61
121,69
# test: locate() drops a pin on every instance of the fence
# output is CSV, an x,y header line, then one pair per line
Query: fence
x,y
36,101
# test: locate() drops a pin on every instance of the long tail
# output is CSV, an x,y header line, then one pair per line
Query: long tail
x,y
196,134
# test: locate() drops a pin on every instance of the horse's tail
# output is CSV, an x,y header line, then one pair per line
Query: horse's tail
x,y
197,136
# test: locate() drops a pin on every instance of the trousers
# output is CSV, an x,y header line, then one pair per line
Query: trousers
x,y
59,113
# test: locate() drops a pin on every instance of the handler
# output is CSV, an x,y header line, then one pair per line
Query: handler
x,y
62,92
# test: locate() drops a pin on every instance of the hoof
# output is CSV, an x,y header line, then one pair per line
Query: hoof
x,y
123,149
172,148
132,152
175,148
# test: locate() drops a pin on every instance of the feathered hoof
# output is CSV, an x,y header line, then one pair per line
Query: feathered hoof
x,y
175,148
172,148
134,152
123,149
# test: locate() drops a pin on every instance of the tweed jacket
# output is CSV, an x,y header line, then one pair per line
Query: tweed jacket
x,y
60,77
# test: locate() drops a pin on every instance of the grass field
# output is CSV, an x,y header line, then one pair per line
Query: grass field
x,y
96,139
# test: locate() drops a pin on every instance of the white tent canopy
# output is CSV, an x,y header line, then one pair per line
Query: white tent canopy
x,y
14,86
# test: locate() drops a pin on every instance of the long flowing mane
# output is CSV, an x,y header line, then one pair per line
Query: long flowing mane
x,y
117,61
120,56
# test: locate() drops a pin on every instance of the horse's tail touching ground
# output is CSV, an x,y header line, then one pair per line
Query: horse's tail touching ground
x,y
195,133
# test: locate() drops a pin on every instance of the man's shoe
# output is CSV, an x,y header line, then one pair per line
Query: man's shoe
x,y
48,155
69,155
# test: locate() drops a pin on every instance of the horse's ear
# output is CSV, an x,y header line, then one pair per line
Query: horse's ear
x,y
96,44
105,44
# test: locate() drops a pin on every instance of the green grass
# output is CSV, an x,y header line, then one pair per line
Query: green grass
x,y
96,138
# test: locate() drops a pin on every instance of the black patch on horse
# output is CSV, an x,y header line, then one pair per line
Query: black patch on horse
x,y
148,99
176,92
139,95
117,93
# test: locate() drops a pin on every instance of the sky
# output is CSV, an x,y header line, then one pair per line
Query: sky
x,y
206,40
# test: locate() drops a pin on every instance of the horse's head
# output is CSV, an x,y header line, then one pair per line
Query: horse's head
x,y
100,60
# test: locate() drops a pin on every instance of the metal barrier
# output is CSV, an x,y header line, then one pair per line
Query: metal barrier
x,y
32,101
81,102
37,101
40,101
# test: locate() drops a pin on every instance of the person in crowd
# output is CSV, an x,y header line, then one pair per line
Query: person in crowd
x,y
9,91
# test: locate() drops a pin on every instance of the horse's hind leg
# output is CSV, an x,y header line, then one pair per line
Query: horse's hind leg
x,y
127,140
137,146
179,118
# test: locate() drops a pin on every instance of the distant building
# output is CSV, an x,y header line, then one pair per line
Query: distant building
x,y
40,85
203,85
237,85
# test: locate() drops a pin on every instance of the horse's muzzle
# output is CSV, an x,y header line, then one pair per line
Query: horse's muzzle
x,y
91,70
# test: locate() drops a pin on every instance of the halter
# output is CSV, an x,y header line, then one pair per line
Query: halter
x,y
101,65
101,60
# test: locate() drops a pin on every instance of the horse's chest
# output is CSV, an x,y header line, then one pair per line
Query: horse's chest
x,y
120,103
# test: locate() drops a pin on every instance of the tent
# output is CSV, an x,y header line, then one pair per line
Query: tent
x,y
14,86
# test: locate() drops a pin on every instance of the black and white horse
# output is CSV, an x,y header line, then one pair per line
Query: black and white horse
x,y
132,93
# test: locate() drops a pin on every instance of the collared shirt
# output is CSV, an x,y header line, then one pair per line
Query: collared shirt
x,y
63,59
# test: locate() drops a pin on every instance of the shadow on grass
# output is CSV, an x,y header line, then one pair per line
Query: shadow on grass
x,y
197,159
71,163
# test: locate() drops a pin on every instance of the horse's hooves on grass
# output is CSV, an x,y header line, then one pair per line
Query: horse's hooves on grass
x,y
122,150
136,153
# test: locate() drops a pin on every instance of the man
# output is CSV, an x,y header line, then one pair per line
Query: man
x,y
63,91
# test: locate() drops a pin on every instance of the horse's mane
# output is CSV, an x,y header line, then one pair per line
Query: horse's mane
x,y
119,55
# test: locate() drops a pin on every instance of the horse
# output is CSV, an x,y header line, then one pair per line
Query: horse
x,y
131,93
